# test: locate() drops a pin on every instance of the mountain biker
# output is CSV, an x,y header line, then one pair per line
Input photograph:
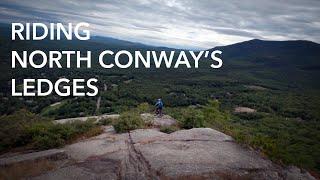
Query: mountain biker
x,y
159,106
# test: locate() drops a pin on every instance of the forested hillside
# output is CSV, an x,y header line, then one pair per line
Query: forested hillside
x,y
278,80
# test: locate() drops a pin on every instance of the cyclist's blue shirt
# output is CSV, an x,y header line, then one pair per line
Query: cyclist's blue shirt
x,y
159,104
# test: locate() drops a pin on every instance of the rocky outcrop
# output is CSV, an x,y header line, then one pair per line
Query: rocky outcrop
x,y
96,118
199,153
244,110
55,154
158,121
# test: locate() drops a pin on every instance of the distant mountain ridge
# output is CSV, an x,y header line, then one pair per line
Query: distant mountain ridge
x,y
299,52
294,53
256,46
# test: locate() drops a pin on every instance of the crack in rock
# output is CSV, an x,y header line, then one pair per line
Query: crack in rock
x,y
142,167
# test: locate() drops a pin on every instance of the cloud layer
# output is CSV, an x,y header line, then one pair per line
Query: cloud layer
x,y
183,24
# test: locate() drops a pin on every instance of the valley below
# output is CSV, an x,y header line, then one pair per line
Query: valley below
x,y
255,117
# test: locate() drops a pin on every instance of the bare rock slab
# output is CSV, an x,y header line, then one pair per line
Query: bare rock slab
x,y
107,142
157,121
52,154
90,169
244,110
199,153
96,118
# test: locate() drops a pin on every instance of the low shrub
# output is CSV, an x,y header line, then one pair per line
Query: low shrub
x,y
144,107
13,131
168,129
25,128
92,132
128,121
192,118
250,116
49,135
105,121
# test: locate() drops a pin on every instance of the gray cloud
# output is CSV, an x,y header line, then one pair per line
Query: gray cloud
x,y
178,23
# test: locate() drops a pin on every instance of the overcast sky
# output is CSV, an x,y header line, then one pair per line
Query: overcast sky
x,y
178,23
